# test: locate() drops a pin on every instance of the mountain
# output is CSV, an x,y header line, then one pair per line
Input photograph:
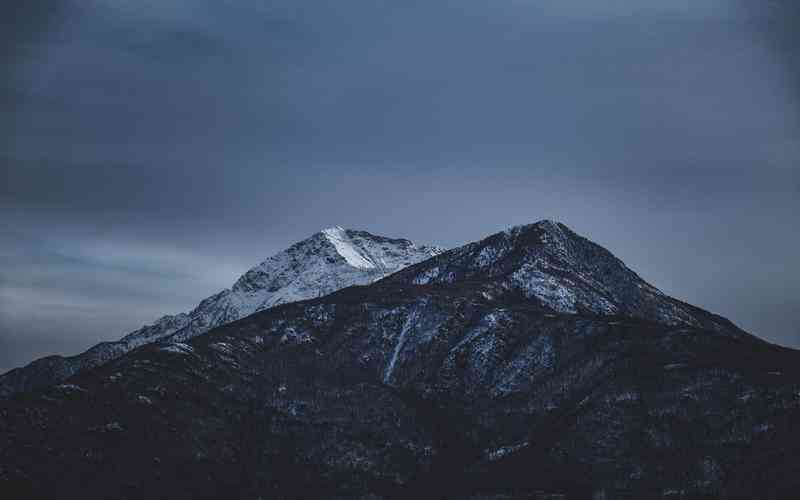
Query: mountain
x,y
327,261
549,264
530,364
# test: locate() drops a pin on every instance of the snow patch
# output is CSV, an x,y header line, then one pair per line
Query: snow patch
x,y
409,323
536,284
295,337
178,348
344,246
427,276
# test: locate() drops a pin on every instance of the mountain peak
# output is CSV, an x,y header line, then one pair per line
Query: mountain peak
x,y
327,261
550,227
552,266
544,224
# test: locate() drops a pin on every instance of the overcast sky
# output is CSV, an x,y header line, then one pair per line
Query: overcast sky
x,y
154,150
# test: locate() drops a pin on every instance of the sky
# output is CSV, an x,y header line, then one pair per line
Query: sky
x,y
152,151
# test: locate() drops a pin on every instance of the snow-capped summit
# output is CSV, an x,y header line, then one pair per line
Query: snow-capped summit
x,y
548,263
329,260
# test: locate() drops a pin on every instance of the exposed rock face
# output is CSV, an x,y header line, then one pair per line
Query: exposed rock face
x,y
327,261
457,377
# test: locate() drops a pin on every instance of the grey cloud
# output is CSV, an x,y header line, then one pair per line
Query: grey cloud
x,y
192,139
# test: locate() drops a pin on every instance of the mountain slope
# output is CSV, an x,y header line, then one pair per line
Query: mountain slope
x,y
550,264
327,261
469,386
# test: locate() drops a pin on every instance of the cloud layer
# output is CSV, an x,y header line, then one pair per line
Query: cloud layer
x,y
153,150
